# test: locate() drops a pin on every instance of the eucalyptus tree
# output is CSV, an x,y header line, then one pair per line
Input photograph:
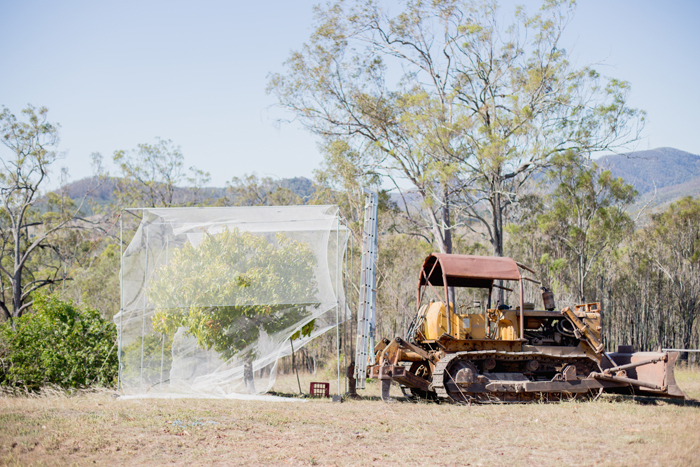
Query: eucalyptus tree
x,y
675,251
585,214
651,286
250,190
442,99
152,175
30,223
343,178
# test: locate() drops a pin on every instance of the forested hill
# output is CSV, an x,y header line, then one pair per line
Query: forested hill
x,y
665,173
104,192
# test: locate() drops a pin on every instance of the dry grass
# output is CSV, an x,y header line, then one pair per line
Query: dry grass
x,y
95,428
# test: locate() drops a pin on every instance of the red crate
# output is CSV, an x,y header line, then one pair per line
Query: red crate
x,y
320,389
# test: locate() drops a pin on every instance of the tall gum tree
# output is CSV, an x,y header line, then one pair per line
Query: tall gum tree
x,y
444,99
152,175
674,244
585,214
30,247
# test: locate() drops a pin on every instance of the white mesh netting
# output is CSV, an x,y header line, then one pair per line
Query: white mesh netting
x,y
211,296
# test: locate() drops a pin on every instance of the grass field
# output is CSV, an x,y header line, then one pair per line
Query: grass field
x,y
97,429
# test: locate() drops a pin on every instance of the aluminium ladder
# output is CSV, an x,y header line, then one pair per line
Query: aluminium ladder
x,y
368,290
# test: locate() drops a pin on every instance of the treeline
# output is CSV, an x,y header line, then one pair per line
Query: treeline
x,y
479,136
573,226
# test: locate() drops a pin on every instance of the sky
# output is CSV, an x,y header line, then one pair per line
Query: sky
x,y
116,74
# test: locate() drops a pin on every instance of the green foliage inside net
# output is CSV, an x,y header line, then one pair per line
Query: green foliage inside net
x,y
261,285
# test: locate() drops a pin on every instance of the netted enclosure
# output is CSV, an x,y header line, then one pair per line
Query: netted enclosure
x,y
211,296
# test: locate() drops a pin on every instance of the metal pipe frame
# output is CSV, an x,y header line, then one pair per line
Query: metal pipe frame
x,y
337,296
447,300
623,380
522,309
121,296
635,364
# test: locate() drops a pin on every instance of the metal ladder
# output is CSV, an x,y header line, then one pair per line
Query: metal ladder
x,y
368,290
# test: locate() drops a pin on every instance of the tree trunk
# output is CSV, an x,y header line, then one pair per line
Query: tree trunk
x,y
294,367
688,321
447,235
497,225
17,278
17,294
581,279
446,222
8,315
249,377
497,235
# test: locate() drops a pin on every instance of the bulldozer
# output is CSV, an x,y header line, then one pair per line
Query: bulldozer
x,y
467,345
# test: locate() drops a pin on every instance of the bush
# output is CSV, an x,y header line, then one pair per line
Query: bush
x,y
58,344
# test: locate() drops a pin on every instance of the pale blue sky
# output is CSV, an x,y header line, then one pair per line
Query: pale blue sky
x,y
115,74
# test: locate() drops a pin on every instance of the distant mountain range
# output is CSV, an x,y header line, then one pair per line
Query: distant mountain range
x,y
103,193
660,175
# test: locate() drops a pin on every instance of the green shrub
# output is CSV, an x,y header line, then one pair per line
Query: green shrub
x,y
58,344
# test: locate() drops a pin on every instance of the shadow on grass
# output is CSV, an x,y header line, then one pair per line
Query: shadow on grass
x,y
657,401
609,398
650,400
306,396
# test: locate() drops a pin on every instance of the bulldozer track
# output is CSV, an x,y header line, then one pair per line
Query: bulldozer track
x,y
441,376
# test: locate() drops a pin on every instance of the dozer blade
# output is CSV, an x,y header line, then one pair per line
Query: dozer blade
x,y
644,373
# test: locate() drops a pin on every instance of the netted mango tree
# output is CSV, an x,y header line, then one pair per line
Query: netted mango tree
x,y
252,274
210,297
